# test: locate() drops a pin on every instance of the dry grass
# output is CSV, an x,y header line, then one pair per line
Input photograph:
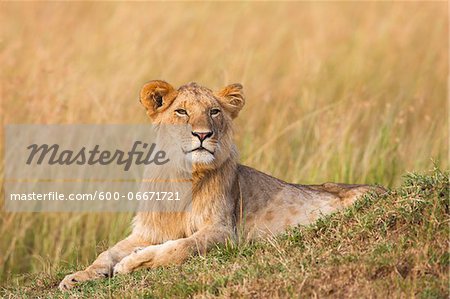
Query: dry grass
x,y
335,91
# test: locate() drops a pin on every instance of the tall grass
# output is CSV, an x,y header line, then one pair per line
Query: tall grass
x,y
350,92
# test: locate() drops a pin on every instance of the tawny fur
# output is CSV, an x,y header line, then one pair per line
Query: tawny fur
x,y
229,200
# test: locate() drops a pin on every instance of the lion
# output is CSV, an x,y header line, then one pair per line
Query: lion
x,y
230,201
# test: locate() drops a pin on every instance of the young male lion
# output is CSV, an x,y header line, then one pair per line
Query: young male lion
x,y
227,198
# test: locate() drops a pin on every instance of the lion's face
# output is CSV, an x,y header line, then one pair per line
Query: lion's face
x,y
209,114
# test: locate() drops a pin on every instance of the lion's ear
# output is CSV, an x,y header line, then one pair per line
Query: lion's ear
x,y
156,96
232,99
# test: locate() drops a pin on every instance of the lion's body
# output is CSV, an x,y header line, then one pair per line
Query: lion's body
x,y
270,205
228,199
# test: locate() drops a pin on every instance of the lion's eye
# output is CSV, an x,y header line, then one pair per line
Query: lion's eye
x,y
214,112
181,112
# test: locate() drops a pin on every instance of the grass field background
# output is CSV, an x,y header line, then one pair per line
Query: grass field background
x,y
348,92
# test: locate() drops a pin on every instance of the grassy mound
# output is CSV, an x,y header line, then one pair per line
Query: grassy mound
x,y
390,245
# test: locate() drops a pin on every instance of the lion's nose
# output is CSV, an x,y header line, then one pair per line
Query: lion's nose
x,y
202,135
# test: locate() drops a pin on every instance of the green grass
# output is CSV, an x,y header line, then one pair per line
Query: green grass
x,y
394,244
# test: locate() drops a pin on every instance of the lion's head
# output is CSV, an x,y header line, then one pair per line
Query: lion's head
x,y
209,114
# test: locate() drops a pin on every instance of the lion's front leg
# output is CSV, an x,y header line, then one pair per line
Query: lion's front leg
x,y
103,265
173,252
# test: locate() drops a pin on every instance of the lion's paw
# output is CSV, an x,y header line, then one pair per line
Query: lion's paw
x,y
71,280
123,267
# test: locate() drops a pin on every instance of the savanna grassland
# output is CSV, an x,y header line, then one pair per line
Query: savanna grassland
x,y
348,92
